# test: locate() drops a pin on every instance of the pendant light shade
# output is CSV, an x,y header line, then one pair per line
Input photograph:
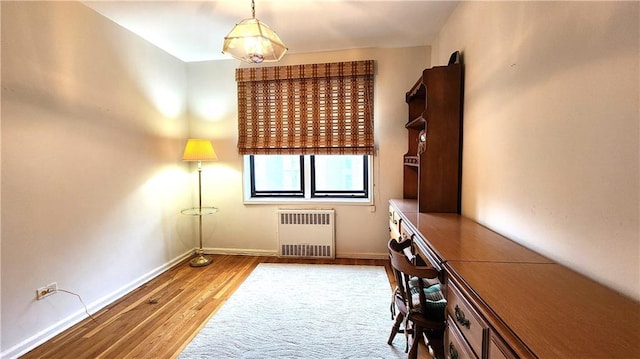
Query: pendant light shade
x,y
253,41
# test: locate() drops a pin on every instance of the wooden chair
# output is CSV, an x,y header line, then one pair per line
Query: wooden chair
x,y
419,301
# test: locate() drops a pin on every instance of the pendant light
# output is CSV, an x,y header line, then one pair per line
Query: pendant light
x,y
253,41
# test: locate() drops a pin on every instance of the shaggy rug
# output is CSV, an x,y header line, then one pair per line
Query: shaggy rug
x,y
303,311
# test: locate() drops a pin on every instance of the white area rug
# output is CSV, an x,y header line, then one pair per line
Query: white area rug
x,y
303,311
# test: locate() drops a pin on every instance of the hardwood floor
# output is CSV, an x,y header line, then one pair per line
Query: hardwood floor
x,y
161,317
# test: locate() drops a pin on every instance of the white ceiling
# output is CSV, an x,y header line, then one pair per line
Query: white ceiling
x,y
194,30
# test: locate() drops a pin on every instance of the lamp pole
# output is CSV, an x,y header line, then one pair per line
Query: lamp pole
x,y
200,202
200,260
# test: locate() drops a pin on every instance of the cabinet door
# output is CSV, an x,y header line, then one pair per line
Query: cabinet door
x,y
439,173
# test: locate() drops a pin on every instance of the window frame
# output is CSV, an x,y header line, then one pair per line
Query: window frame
x,y
273,194
315,193
280,198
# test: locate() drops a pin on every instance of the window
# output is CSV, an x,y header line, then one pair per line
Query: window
x,y
306,131
277,176
307,177
339,176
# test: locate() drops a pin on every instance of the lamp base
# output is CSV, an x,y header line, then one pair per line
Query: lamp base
x,y
200,261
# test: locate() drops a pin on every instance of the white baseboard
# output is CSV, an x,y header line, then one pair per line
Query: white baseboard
x,y
359,255
241,252
64,324
274,253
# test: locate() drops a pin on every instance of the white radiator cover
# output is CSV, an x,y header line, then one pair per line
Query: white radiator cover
x,y
306,233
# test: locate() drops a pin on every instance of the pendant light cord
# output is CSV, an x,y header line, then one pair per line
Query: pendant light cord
x,y
253,9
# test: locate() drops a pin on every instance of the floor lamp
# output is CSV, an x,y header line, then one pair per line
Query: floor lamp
x,y
198,150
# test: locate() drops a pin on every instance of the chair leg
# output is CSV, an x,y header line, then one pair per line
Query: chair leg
x,y
396,328
417,338
436,342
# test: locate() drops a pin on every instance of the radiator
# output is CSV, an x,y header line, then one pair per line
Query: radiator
x,y
306,233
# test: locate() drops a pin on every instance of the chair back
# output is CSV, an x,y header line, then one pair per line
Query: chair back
x,y
407,275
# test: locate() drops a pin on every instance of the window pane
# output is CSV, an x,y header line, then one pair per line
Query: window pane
x,y
277,173
339,173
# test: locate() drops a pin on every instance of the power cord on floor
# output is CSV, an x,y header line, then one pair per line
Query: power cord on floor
x,y
81,301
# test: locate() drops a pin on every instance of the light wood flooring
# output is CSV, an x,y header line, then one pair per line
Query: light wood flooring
x,y
161,317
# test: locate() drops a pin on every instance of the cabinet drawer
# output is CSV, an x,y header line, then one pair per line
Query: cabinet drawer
x,y
471,325
455,345
394,220
426,257
498,349
394,233
406,234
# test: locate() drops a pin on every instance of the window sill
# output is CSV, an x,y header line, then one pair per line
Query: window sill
x,y
307,201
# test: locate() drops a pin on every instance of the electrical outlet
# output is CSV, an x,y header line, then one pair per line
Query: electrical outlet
x,y
46,290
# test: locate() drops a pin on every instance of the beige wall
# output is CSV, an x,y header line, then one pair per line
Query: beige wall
x,y
93,125
94,120
361,231
551,129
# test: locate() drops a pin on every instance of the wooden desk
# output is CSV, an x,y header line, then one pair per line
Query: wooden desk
x,y
553,311
452,237
521,304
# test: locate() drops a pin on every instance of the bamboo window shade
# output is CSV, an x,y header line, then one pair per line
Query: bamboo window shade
x,y
306,109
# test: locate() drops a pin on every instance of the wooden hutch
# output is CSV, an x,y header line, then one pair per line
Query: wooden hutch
x,y
432,165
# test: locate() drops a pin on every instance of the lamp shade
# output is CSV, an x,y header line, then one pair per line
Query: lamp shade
x,y
199,150
253,41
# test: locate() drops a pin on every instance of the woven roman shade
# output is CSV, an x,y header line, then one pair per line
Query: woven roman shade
x,y
306,109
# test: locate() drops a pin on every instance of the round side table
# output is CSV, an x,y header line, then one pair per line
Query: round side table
x,y
200,260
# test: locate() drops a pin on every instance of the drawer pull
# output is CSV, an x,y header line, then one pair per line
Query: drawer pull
x,y
461,318
453,353
395,221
